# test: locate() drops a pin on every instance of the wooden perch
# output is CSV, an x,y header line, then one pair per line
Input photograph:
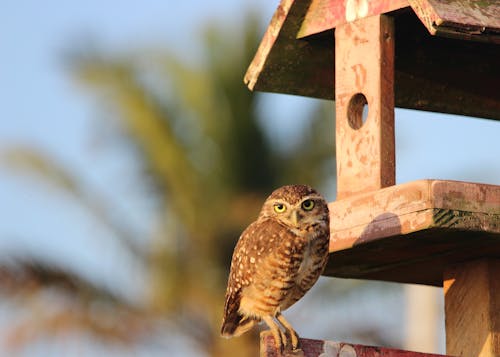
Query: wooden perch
x,y
318,348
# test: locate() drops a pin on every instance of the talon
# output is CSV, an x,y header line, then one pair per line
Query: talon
x,y
278,342
284,340
295,340
279,337
294,337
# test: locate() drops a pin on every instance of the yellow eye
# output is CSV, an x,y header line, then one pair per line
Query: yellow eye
x,y
308,205
279,208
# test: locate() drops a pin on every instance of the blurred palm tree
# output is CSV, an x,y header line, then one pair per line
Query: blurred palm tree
x,y
208,164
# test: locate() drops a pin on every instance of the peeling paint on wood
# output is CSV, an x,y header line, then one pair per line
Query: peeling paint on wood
x,y
323,15
465,19
318,348
267,43
365,152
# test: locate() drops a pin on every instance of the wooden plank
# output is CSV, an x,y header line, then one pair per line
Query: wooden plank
x,y
411,232
472,309
365,152
323,15
316,348
464,19
412,205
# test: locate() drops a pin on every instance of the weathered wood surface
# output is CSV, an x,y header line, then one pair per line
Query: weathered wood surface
x,y
323,15
409,233
431,73
318,348
365,152
472,308
445,75
282,61
464,19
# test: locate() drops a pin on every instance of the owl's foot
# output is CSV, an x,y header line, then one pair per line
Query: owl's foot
x,y
294,337
285,338
280,339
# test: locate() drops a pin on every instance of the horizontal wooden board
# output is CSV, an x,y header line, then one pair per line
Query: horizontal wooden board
x,y
315,348
415,205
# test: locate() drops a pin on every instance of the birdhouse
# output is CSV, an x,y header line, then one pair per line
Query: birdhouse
x,y
432,55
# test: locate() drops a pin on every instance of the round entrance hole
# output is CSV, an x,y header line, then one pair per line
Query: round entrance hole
x,y
357,111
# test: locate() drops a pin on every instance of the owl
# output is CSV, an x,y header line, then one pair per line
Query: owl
x,y
277,259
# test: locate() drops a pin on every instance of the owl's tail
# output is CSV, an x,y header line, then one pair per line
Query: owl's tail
x,y
235,324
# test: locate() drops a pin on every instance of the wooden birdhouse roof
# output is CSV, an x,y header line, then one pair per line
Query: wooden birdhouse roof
x,y
447,53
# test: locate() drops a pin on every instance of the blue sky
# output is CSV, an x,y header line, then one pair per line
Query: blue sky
x,y
41,106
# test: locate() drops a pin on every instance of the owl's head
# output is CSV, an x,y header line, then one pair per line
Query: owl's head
x,y
296,206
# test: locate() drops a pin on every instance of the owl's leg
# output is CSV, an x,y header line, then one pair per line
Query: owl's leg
x,y
288,327
279,337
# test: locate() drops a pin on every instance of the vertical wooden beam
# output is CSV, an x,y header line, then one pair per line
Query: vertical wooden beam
x,y
472,308
364,74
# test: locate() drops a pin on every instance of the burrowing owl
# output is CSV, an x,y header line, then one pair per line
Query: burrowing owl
x,y
276,261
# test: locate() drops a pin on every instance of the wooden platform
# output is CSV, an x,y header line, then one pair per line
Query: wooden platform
x,y
409,233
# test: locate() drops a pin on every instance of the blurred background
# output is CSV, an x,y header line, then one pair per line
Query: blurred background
x,y
131,158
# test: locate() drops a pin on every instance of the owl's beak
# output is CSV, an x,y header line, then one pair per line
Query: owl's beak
x,y
294,217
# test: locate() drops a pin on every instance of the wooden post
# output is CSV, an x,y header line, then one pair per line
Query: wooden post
x,y
472,308
364,75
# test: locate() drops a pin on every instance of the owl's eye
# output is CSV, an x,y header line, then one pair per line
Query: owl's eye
x,y
279,208
308,205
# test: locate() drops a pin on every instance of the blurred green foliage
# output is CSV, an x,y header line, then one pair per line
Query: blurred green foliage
x,y
205,160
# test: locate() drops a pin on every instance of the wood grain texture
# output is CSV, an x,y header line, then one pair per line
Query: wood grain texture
x,y
365,155
409,233
317,348
472,308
